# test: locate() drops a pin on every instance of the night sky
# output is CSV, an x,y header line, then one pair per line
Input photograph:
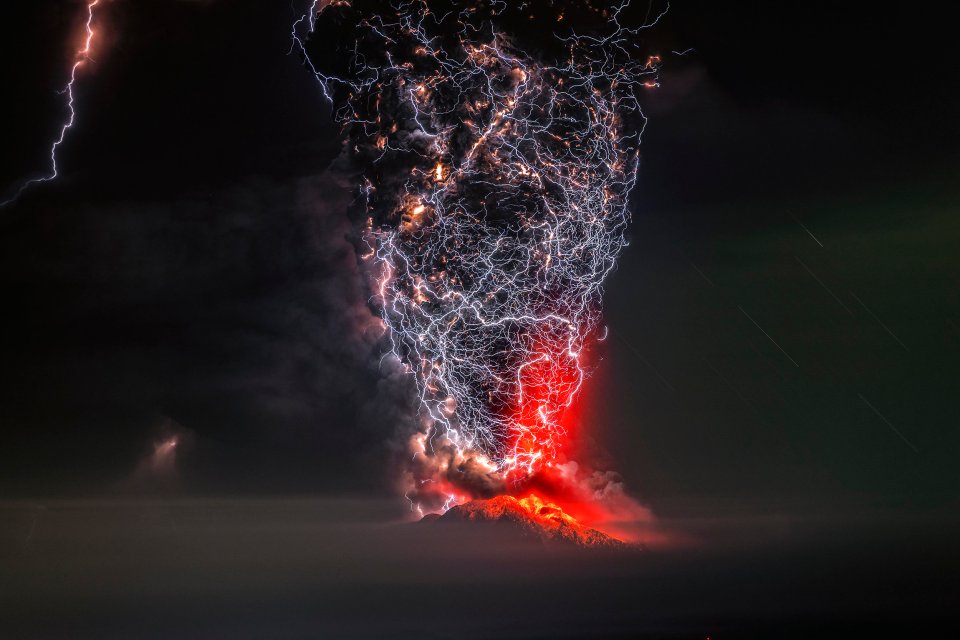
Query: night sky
x,y
784,328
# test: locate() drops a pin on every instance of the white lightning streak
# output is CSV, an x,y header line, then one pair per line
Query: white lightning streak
x,y
80,58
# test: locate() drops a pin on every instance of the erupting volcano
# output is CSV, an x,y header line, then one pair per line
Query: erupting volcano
x,y
528,516
495,146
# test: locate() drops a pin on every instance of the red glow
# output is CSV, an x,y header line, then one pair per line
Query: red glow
x,y
539,475
551,520
543,416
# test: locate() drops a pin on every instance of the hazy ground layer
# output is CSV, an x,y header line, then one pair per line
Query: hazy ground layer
x,y
305,568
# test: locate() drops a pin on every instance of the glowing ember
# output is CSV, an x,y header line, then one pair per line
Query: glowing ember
x,y
532,516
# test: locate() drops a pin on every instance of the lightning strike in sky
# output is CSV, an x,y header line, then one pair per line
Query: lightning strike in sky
x,y
81,57
496,145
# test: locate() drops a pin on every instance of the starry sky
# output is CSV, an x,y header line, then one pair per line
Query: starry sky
x,y
784,328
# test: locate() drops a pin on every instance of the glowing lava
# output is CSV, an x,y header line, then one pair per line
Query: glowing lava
x,y
531,516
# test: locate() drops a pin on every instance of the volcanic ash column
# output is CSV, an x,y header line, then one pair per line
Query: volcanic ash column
x,y
495,145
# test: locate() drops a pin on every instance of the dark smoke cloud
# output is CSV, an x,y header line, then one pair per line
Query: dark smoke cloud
x,y
240,314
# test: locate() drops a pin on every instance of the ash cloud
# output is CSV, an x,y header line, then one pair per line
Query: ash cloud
x,y
494,146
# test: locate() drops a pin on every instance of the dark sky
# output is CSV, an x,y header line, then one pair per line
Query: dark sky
x,y
189,271
779,384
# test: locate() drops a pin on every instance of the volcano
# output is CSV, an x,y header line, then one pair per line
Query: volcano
x,y
530,517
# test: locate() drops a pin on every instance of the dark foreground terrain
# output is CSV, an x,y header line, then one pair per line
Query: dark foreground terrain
x,y
349,569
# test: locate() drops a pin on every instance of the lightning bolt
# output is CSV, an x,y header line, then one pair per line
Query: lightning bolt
x,y
297,41
81,57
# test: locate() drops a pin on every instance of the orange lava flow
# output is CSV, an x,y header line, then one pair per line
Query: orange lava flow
x,y
546,512
533,515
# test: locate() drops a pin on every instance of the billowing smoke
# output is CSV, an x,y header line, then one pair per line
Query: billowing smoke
x,y
495,146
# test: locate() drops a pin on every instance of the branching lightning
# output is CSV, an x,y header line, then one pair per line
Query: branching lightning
x,y
495,185
81,57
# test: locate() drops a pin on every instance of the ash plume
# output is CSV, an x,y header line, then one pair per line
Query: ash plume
x,y
495,146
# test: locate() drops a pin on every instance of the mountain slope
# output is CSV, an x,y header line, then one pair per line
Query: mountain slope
x,y
531,516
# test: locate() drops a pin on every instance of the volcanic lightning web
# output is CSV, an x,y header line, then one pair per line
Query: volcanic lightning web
x,y
495,145
81,57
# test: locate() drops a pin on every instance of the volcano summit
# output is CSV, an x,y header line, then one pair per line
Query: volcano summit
x,y
531,517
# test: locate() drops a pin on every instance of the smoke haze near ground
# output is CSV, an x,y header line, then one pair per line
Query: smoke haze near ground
x,y
308,568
